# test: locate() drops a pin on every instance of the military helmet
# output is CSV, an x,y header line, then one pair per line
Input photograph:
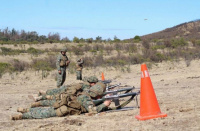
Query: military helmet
x,y
64,49
97,90
92,79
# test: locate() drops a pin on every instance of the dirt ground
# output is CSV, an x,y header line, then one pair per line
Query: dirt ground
x,y
177,88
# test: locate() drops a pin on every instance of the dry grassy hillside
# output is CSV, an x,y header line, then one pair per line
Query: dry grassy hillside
x,y
176,86
188,30
174,73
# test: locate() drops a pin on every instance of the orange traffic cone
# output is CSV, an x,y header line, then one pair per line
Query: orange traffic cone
x,y
149,107
102,76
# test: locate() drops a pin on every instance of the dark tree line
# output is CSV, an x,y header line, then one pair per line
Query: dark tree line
x,y
22,37
14,36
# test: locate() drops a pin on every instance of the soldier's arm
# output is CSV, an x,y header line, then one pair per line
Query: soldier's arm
x,y
87,103
58,63
68,61
80,61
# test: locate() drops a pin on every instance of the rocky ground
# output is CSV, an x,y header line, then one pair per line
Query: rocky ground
x,y
177,88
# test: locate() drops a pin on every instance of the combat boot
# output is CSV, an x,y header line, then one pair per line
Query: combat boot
x,y
41,92
16,117
35,98
22,110
35,104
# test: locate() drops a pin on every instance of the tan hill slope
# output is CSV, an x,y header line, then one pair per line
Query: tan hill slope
x,y
188,30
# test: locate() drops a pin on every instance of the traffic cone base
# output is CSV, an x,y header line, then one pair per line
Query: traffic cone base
x,y
150,116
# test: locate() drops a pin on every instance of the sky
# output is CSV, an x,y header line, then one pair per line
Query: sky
x,y
91,18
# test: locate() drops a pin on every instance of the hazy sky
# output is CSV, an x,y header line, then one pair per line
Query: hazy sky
x,y
92,18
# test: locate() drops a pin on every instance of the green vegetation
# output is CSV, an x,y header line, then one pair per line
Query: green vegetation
x,y
9,51
105,53
5,67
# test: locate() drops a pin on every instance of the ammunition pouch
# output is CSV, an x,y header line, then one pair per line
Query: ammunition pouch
x,y
61,100
92,109
62,111
62,63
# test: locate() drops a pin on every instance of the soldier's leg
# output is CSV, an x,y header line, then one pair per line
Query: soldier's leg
x,y
43,103
41,92
63,77
59,79
56,90
39,113
78,75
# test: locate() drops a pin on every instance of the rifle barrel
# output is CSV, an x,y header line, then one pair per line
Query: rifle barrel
x,y
120,90
99,101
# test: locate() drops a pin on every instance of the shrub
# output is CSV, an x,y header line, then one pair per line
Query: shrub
x,y
34,51
47,64
178,42
146,44
19,65
5,67
9,51
137,38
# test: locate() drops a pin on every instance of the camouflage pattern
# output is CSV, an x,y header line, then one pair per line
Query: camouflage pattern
x,y
87,103
85,86
56,90
61,66
97,90
39,113
79,67
92,79
44,103
79,75
84,100
64,49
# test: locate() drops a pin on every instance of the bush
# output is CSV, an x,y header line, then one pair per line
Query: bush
x,y
9,51
5,67
137,38
47,64
19,65
34,51
178,42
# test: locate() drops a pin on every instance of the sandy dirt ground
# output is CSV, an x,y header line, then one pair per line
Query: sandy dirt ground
x,y
177,88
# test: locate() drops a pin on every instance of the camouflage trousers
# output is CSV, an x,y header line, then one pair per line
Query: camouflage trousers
x,y
79,74
39,113
56,90
61,77
47,102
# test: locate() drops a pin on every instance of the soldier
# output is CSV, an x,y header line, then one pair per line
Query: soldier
x,y
88,82
61,63
68,105
49,100
79,67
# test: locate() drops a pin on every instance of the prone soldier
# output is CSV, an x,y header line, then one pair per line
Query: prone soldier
x,y
68,105
49,99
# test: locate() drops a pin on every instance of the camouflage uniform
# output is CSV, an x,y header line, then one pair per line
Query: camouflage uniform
x,y
49,100
70,105
61,64
56,90
79,67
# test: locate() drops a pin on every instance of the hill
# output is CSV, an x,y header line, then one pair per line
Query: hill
x,y
188,30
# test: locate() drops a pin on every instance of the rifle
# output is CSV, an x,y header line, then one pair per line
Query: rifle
x,y
113,97
112,86
120,90
105,81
